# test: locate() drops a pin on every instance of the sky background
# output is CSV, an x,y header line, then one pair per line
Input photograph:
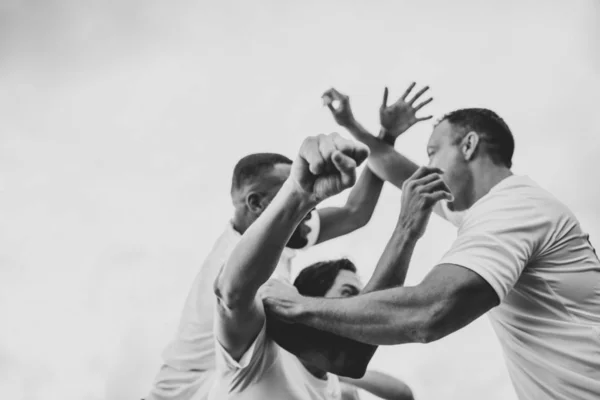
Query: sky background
x,y
121,121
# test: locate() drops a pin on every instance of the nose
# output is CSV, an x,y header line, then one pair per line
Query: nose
x,y
433,163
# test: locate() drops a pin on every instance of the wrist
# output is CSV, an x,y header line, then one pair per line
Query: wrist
x,y
387,137
351,123
296,198
306,310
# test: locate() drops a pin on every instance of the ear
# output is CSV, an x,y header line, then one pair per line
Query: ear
x,y
255,202
469,145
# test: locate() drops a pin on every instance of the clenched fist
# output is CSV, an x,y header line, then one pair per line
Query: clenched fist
x,y
326,165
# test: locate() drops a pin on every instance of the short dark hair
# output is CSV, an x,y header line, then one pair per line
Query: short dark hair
x,y
253,166
316,279
493,131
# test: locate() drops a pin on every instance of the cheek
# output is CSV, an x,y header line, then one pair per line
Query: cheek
x,y
448,163
441,161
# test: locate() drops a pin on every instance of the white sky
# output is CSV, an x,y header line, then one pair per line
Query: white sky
x,y
120,123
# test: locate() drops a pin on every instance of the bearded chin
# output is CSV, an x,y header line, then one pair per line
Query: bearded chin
x,y
297,241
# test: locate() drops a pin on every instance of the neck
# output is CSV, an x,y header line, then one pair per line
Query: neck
x,y
486,175
316,372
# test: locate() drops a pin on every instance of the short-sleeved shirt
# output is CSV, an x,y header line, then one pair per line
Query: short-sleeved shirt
x,y
267,371
533,252
189,360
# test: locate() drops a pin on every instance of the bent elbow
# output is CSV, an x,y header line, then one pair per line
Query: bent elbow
x,y
359,217
405,394
226,295
358,370
350,371
423,327
434,325
402,392
354,364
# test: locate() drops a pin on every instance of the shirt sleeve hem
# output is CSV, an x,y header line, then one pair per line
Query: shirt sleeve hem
x,y
488,277
246,358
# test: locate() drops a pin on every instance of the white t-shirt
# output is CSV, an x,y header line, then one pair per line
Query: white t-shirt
x,y
266,371
532,251
189,360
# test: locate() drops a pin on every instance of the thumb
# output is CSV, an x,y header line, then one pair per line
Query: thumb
x,y
346,166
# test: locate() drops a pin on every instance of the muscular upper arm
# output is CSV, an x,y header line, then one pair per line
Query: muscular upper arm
x,y
237,328
459,296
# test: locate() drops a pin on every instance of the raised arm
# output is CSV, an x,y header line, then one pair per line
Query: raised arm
x,y
356,213
358,210
450,297
325,166
395,119
393,264
339,354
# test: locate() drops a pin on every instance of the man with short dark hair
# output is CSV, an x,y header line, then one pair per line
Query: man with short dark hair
x,y
520,256
250,365
496,138
189,360
338,278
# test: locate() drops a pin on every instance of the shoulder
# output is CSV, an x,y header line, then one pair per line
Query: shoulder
x,y
520,212
519,204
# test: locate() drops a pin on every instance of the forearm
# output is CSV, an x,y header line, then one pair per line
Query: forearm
x,y
340,355
392,316
356,213
364,196
393,265
256,255
383,160
449,298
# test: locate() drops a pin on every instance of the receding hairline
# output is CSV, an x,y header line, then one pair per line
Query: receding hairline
x,y
253,167
491,128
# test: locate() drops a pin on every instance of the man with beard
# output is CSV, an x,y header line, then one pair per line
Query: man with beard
x,y
520,256
189,360
250,365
